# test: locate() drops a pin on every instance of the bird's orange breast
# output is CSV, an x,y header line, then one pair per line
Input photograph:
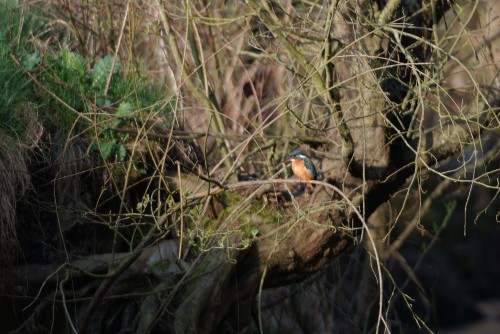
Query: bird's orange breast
x,y
300,170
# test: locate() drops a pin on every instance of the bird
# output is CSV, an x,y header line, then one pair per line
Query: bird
x,y
302,167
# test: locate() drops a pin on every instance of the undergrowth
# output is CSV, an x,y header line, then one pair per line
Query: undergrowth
x,y
60,107
93,108
16,92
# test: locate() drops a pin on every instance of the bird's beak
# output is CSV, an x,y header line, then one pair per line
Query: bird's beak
x,y
287,161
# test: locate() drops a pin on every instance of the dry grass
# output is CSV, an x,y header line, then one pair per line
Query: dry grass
x,y
15,180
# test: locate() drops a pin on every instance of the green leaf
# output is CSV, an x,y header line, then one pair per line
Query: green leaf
x,y
125,110
245,243
139,207
222,241
122,152
254,232
103,100
106,148
31,60
73,62
102,69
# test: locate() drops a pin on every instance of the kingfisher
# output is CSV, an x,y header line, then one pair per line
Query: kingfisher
x,y
302,166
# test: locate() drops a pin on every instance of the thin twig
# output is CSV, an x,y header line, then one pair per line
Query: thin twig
x,y
117,48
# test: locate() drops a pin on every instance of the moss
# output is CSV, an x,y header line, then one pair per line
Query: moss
x,y
255,216
251,221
